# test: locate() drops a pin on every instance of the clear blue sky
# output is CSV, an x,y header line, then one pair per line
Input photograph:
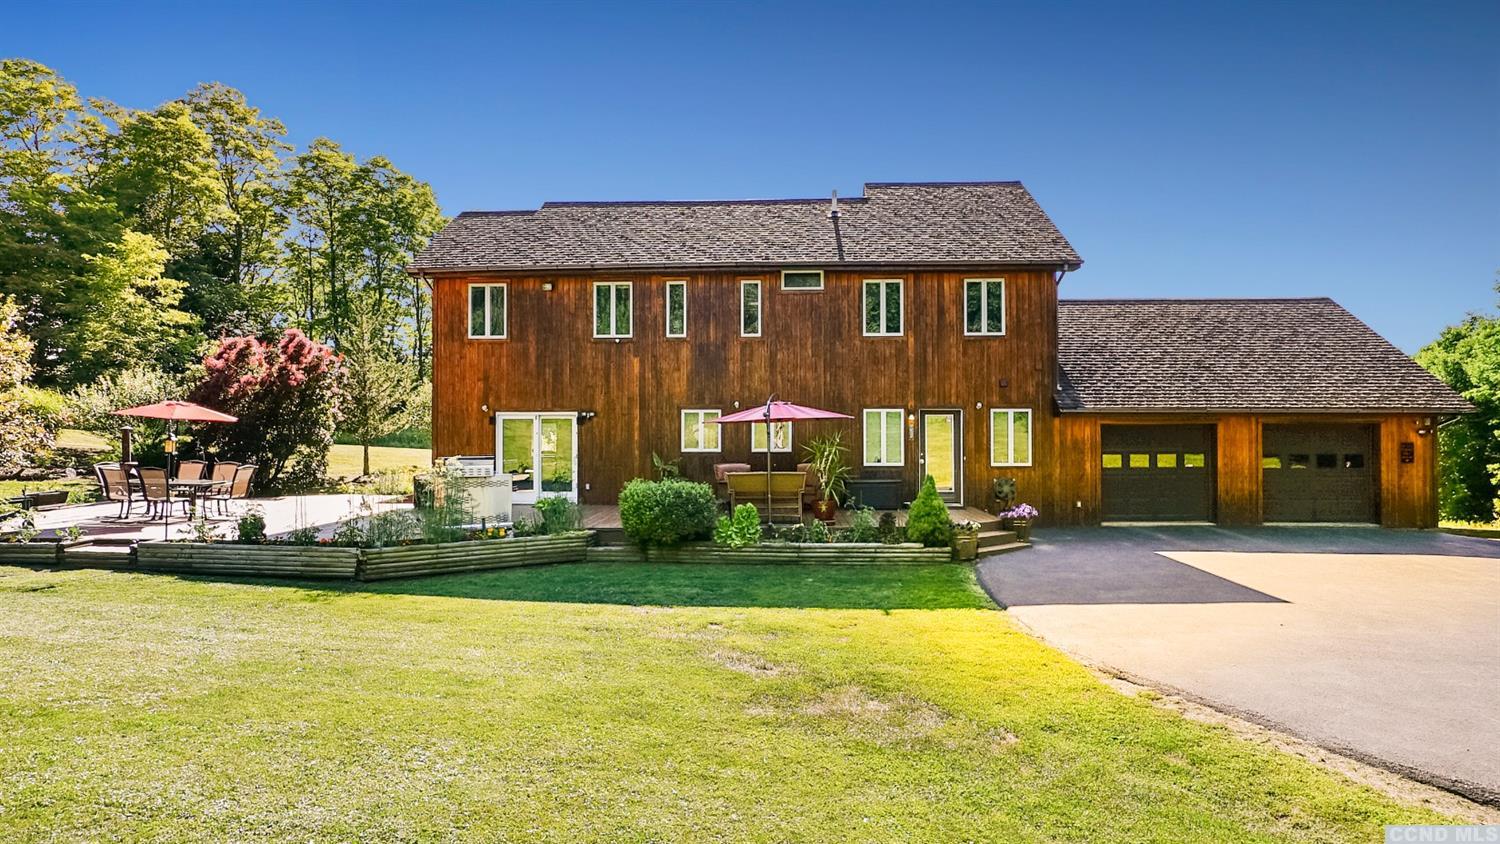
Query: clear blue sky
x,y
1194,149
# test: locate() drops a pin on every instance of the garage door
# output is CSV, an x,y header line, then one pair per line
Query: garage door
x,y
1158,473
1319,473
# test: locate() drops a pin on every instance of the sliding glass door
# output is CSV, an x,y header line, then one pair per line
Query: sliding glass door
x,y
540,453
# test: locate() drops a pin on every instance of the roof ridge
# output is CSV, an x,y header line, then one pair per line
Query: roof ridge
x,y
607,203
516,213
1195,300
975,184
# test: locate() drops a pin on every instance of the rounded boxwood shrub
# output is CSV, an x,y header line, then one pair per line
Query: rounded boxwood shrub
x,y
927,522
667,512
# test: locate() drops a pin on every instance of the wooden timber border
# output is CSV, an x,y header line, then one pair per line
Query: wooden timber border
x,y
322,562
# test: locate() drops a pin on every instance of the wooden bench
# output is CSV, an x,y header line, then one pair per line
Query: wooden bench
x,y
785,497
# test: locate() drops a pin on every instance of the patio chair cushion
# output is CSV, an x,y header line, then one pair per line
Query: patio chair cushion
x,y
722,469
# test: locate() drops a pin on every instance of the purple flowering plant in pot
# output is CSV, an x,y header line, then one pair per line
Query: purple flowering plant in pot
x,y
1018,519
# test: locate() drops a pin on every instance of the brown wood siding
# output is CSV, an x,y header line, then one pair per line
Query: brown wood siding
x,y
813,351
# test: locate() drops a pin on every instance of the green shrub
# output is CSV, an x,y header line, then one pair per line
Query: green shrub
x,y
392,528
251,527
559,515
862,527
667,512
814,531
889,532
742,530
927,522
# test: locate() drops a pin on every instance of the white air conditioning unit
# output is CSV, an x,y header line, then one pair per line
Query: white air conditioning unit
x,y
487,492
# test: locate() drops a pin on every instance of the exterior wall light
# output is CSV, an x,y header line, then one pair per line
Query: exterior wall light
x,y
911,426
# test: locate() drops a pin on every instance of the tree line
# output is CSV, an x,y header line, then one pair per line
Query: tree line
x,y
133,235
139,240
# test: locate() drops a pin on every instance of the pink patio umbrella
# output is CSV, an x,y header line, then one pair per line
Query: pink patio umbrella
x,y
174,411
776,411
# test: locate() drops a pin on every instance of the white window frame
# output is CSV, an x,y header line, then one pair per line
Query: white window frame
x,y
702,423
784,274
469,315
760,299
612,285
900,303
667,308
984,292
789,434
1010,434
900,435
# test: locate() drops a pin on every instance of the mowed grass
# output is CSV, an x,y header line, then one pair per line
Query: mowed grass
x,y
603,703
347,461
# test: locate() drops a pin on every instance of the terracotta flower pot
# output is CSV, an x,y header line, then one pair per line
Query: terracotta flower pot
x,y
825,509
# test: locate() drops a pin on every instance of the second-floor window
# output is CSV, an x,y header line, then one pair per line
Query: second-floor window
x,y
801,279
612,315
487,305
750,310
676,309
984,306
882,307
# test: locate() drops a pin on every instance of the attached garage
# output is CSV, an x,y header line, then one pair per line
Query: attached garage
x,y
1157,473
1319,473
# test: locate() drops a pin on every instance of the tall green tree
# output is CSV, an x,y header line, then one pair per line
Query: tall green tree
x,y
234,287
323,195
157,170
380,394
24,434
399,214
135,316
1467,357
49,219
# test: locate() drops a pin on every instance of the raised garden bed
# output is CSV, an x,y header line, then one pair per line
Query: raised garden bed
x,y
802,553
300,561
28,553
478,555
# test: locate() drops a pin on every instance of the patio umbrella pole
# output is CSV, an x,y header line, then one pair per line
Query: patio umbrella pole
x,y
171,452
768,459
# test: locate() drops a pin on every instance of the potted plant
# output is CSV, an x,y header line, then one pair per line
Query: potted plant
x,y
965,541
826,456
1018,519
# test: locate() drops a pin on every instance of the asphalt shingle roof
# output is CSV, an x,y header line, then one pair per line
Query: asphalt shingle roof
x,y
957,223
1297,355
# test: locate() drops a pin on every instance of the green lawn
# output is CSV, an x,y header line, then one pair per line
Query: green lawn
x,y
603,702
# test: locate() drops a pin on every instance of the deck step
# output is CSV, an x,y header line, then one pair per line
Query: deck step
x,y
1003,549
993,537
612,536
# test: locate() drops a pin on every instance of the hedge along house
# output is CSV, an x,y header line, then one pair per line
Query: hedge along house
x,y
577,339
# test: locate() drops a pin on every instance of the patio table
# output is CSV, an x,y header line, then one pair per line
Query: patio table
x,y
196,489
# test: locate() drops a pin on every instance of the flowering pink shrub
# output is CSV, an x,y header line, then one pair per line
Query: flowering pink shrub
x,y
286,397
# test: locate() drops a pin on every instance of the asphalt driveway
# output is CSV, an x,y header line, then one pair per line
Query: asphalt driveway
x,y
1384,645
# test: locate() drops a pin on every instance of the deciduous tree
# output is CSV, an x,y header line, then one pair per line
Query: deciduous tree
x,y
1467,357
286,396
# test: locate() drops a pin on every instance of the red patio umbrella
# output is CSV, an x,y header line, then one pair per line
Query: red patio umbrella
x,y
174,411
776,411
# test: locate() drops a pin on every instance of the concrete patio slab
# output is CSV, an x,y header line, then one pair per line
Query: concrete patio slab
x,y
100,521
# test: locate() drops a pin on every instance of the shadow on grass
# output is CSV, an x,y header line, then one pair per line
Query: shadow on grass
x,y
687,585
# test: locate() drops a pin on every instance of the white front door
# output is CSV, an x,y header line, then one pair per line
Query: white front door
x,y
540,453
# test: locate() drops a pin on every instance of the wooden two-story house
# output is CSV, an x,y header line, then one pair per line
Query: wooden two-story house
x,y
576,340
